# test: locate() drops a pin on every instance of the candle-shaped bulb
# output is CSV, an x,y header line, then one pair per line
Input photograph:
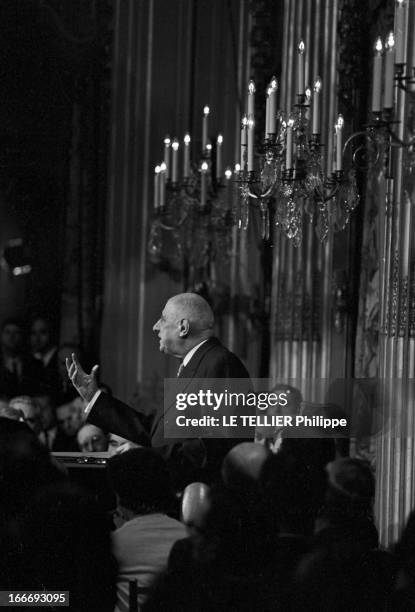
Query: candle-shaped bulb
x,y
301,47
308,94
167,141
274,83
251,87
204,167
301,69
244,121
175,145
340,122
157,169
228,174
269,91
219,139
290,122
317,85
237,168
163,167
378,45
390,41
206,110
187,139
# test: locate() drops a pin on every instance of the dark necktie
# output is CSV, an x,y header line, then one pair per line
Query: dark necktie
x,y
180,370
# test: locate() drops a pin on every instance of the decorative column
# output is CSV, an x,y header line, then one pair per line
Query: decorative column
x,y
301,277
395,456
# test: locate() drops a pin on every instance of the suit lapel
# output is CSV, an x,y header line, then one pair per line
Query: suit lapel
x,y
187,374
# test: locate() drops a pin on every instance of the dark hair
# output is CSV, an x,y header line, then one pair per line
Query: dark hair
x,y
13,321
141,480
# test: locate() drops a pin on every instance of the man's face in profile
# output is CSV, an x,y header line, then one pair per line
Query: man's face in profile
x,y
168,328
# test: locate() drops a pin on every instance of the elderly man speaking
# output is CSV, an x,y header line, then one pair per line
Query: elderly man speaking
x,y
185,330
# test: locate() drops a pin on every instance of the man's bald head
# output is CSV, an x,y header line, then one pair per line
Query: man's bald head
x,y
186,320
195,309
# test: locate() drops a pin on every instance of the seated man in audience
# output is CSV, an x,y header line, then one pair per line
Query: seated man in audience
x,y
20,373
145,535
15,414
30,409
44,349
92,439
47,420
70,420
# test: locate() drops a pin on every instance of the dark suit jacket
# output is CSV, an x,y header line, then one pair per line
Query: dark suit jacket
x,y
190,459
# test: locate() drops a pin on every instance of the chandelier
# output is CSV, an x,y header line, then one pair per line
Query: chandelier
x,y
193,214
289,181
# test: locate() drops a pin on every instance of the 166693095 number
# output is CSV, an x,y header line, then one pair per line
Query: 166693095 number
x,y
34,598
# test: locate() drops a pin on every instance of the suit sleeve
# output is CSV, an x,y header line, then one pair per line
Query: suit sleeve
x,y
114,416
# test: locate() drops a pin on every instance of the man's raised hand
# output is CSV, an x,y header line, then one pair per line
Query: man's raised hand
x,y
85,384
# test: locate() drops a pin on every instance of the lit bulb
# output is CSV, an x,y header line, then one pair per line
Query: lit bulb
x,y
250,123
301,47
244,121
317,84
378,44
204,167
290,122
167,141
274,83
308,93
206,110
187,139
175,145
163,167
251,87
390,42
340,121
157,169
237,167
208,147
269,91
228,174
219,139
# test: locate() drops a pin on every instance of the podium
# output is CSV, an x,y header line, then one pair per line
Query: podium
x,y
88,470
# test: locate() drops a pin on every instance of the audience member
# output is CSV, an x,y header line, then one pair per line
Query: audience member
x,y
69,420
47,413
344,569
67,547
92,439
8,412
289,405
30,409
142,543
20,373
43,348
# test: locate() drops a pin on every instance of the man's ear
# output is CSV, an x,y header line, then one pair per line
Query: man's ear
x,y
184,328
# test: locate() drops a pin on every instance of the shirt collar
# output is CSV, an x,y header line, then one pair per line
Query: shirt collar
x,y
192,351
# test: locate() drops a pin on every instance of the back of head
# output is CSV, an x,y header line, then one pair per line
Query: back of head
x,y
351,488
141,480
25,465
196,310
243,464
68,547
293,492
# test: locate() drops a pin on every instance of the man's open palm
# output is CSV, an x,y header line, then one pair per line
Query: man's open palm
x,y
85,384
